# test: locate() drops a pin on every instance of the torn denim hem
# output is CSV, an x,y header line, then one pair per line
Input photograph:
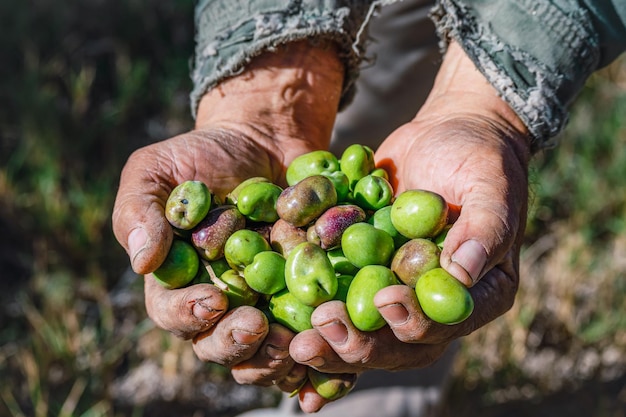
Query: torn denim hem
x,y
228,53
539,106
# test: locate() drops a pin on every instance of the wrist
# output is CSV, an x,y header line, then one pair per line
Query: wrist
x,y
286,99
461,90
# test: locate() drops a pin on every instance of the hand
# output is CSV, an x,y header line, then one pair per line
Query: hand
x,y
467,145
253,124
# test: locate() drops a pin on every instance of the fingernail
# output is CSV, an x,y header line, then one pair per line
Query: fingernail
x,y
394,313
335,332
243,337
295,379
296,374
201,311
316,362
137,240
276,353
471,256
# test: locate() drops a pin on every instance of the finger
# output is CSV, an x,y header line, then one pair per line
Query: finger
x,y
490,223
358,350
234,339
294,379
184,312
271,363
310,400
139,222
311,349
331,320
399,307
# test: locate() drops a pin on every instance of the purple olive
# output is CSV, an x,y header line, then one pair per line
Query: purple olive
x,y
333,222
209,237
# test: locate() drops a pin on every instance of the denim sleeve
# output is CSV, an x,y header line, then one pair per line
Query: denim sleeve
x,y
230,32
536,53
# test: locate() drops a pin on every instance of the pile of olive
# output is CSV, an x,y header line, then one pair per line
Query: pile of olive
x,y
335,233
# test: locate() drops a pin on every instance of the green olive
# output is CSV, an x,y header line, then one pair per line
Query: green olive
x,y
309,275
441,237
320,162
290,312
242,246
233,196
419,214
341,264
356,162
372,192
381,219
360,298
443,298
363,244
266,273
331,386
187,204
179,267
257,201
343,285
236,289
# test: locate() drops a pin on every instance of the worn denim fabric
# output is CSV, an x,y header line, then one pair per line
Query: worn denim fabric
x,y
609,20
231,32
537,53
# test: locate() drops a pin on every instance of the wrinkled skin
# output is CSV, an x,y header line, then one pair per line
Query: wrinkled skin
x,y
492,215
474,152
465,145
242,134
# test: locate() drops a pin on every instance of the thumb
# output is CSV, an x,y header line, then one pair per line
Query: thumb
x,y
486,230
138,217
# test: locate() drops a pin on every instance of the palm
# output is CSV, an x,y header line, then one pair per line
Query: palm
x,y
220,159
473,165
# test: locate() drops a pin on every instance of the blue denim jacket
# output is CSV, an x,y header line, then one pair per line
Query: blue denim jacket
x,y
536,53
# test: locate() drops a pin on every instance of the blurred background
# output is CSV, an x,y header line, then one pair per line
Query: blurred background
x,y
84,83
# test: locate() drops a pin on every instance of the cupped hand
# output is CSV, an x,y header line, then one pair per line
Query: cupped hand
x,y
253,124
470,163
221,159
469,147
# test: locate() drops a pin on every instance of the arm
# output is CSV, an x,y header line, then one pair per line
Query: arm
x,y
493,104
262,95
468,145
284,104
538,76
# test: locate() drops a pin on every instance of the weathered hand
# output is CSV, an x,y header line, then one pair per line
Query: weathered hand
x,y
253,124
221,159
470,148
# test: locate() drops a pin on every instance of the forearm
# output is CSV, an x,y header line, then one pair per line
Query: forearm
x,y
461,87
230,33
287,98
461,91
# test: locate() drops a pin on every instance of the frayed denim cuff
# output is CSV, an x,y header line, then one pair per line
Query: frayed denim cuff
x,y
229,33
536,54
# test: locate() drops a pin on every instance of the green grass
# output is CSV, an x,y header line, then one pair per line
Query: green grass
x,y
83,85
